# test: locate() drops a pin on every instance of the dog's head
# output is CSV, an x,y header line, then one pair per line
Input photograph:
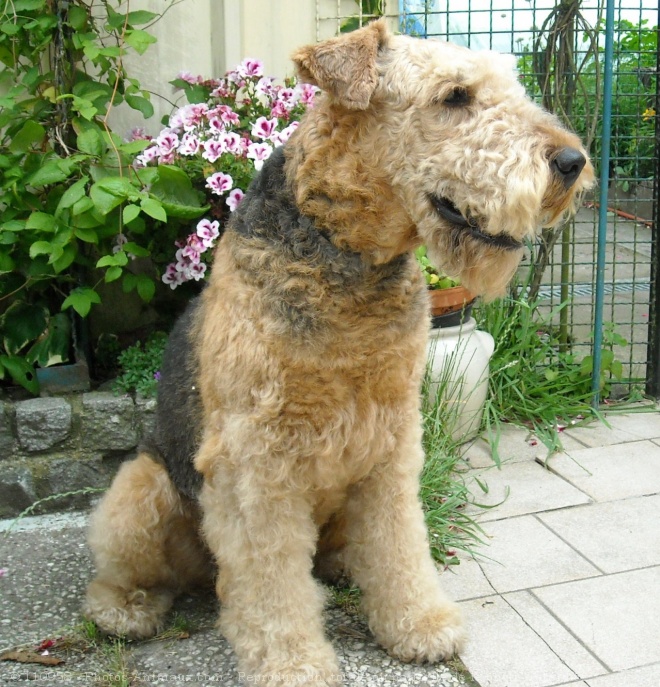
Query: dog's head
x,y
447,138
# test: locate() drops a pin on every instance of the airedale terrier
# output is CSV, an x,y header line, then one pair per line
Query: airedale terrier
x,y
289,434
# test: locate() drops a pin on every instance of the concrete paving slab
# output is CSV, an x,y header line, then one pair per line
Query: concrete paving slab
x,y
648,676
641,425
518,489
46,567
504,651
467,580
615,536
611,472
617,617
582,662
528,554
516,445
598,434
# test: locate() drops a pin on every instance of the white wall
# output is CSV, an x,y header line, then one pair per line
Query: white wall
x,y
208,37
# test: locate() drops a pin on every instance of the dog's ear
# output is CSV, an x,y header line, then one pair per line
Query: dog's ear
x,y
344,67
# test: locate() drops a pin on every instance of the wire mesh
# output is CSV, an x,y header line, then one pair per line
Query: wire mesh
x,y
559,47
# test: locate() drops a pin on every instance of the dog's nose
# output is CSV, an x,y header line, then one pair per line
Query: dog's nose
x,y
568,164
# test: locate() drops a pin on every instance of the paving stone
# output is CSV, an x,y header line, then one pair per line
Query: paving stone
x,y
648,676
615,536
520,488
527,554
465,581
644,425
515,445
503,651
108,421
598,434
562,642
617,617
42,423
612,472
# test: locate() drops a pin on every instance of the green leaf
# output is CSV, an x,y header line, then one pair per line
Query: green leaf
x,y
77,17
81,206
113,273
21,324
141,17
119,258
13,225
72,195
10,28
52,347
130,212
137,102
27,5
50,173
21,372
139,40
6,262
81,300
31,134
133,147
41,221
91,142
86,234
174,189
154,209
104,201
119,186
135,249
41,248
146,287
68,255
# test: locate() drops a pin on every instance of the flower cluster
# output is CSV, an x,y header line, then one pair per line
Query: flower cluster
x,y
221,143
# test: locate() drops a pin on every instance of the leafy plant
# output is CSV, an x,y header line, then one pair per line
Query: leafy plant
x,y
73,210
434,278
220,140
533,380
140,366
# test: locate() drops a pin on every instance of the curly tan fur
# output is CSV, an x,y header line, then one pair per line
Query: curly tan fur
x,y
290,390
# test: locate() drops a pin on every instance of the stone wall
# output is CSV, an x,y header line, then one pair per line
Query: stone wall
x,y
51,446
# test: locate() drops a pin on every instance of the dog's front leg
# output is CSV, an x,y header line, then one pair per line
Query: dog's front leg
x,y
388,555
263,537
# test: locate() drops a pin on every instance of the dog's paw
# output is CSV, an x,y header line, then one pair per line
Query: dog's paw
x,y
136,614
435,636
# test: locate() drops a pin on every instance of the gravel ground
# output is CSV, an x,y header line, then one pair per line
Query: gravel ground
x,y
46,565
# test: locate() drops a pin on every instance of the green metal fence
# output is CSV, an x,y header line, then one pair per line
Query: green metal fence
x,y
561,51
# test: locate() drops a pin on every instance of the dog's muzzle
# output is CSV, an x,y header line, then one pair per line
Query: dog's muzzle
x,y
448,211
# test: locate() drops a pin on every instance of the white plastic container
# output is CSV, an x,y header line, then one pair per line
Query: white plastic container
x,y
458,370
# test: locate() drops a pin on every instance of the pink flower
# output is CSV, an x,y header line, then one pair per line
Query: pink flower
x,y
197,271
189,78
259,152
226,114
167,143
147,156
208,231
216,124
189,116
213,150
279,110
284,135
307,93
288,97
232,143
221,90
263,128
195,246
234,199
219,183
173,276
189,145
265,86
250,67
137,133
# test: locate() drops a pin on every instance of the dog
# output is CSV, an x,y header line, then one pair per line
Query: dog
x,y
288,428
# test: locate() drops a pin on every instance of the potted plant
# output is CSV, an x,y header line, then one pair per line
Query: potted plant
x,y
458,354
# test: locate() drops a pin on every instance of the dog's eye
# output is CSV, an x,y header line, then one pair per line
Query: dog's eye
x,y
457,97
